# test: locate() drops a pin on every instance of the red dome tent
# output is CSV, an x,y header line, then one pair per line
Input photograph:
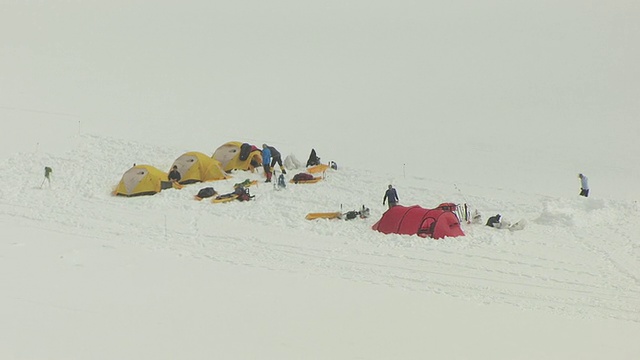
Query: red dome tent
x,y
415,220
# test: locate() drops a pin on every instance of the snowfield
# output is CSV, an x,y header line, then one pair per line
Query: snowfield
x,y
497,105
76,249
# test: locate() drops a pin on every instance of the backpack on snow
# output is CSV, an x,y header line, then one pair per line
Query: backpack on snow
x,y
349,215
243,194
302,177
206,192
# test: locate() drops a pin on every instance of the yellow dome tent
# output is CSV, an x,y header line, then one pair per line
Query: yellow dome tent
x,y
142,180
198,167
235,155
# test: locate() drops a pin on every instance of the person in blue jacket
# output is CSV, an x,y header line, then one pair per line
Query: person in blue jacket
x,y
391,197
266,161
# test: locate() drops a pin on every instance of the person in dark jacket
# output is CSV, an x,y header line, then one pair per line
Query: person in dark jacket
x,y
276,158
494,221
391,196
47,176
174,174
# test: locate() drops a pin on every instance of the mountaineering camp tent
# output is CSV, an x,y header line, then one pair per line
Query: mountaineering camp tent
x,y
415,220
291,162
196,167
142,180
235,155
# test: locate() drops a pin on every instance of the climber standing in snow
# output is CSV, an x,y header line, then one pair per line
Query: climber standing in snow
x,y
391,196
584,185
266,162
276,158
47,176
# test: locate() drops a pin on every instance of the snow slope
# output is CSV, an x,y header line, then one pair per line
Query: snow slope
x,y
574,264
498,104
